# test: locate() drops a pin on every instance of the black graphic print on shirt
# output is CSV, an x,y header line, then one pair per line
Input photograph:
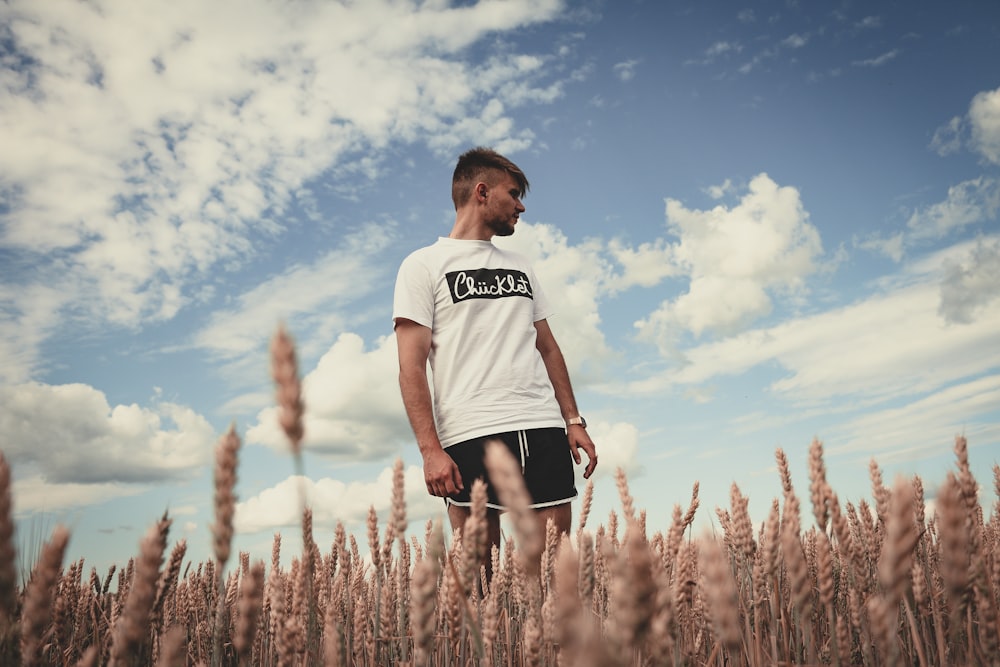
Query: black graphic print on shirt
x,y
487,284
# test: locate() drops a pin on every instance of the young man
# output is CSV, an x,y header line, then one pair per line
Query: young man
x,y
477,313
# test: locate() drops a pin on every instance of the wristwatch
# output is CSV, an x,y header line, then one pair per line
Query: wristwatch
x,y
577,420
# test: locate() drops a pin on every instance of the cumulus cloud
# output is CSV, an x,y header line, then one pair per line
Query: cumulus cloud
x,y
353,407
70,434
972,283
332,500
979,129
617,447
644,265
575,277
178,136
735,258
984,121
970,202
893,343
37,494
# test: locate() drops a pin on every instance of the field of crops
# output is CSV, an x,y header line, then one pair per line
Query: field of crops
x,y
879,582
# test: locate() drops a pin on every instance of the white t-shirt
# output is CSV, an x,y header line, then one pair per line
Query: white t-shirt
x,y
481,304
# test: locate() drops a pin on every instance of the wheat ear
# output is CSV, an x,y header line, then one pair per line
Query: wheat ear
x,y
38,597
506,477
132,630
285,371
250,606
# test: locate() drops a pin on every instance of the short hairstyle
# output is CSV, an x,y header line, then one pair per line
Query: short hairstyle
x,y
485,165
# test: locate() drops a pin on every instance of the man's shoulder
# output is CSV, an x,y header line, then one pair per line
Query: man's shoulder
x,y
420,256
513,257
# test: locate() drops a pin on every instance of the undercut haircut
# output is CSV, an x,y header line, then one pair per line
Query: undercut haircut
x,y
483,165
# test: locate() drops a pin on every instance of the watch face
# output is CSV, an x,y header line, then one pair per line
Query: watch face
x,y
583,422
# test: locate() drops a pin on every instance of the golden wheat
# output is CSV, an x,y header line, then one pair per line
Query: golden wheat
x,y
875,583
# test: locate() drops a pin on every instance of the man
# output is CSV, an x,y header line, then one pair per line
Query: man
x,y
477,313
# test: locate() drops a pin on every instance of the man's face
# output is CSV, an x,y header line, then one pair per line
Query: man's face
x,y
503,206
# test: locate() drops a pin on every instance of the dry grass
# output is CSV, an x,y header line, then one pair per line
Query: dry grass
x,y
876,583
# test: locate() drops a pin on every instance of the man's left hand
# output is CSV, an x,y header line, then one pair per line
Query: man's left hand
x,y
580,439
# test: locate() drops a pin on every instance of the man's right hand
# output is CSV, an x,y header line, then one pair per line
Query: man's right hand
x,y
441,474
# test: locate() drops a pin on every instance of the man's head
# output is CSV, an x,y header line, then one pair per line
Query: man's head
x,y
483,165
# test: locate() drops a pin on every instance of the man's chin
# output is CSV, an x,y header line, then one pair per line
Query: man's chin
x,y
502,230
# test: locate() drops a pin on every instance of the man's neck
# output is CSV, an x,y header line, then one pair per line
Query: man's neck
x,y
469,227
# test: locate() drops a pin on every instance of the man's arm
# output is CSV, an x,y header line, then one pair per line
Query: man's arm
x,y
555,366
414,343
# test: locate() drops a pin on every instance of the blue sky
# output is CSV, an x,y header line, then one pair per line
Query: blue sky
x,y
761,222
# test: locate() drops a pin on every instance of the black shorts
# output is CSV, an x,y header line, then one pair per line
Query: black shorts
x,y
546,463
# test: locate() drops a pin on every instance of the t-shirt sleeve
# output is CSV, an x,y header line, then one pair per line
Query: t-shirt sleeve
x,y
413,298
543,307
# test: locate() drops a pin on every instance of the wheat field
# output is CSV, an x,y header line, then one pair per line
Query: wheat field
x,y
879,582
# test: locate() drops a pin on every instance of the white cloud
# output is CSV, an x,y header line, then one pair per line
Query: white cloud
x,y
983,125
69,434
177,135
735,258
30,314
970,202
922,428
644,265
719,48
617,445
891,344
947,139
795,41
719,191
353,408
972,283
308,297
574,278
878,61
36,494
332,500
184,510
984,121
892,247
626,70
